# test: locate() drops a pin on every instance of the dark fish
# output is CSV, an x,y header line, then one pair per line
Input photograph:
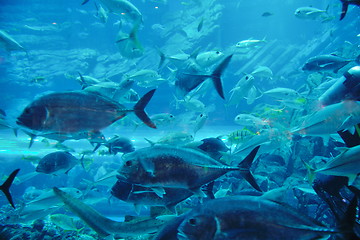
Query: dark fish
x,y
120,144
213,147
5,187
57,162
267,14
84,2
345,5
327,63
249,217
200,25
190,77
78,111
139,195
175,167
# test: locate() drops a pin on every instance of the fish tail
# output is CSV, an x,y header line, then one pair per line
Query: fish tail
x,y
245,168
357,59
344,9
139,108
162,57
216,75
5,188
310,170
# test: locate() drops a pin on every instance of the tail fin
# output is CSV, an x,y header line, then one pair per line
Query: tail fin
x,y
245,168
5,188
216,75
139,108
344,9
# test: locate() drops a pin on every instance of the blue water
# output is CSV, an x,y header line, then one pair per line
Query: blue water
x,y
63,38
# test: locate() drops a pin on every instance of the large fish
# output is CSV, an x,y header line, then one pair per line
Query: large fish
x,y
124,8
190,77
346,164
9,43
104,226
345,5
78,111
5,187
328,62
254,217
331,119
176,167
57,162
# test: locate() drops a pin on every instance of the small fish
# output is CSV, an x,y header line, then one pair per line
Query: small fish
x,y
200,25
5,187
86,81
64,222
111,90
345,5
250,43
310,13
125,9
128,44
78,111
241,89
146,78
200,122
283,93
249,120
57,162
174,138
239,136
323,63
101,13
262,72
267,14
139,195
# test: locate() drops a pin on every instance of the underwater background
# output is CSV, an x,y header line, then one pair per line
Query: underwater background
x,y
61,43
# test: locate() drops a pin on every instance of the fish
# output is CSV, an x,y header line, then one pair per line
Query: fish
x,y
200,122
111,90
328,62
128,44
78,111
282,93
146,78
262,72
176,167
125,9
5,187
64,222
105,226
267,14
139,195
331,119
174,138
250,43
241,89
310,13
254,217
249,120
207,59
101,13
190,77
120,144
345,5
345,164
200,25
9,43
214,147
86,81
56,163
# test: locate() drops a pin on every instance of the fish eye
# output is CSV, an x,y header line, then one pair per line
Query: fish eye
x,y
128,163
201,115
27,111
192,221
217,52
247,77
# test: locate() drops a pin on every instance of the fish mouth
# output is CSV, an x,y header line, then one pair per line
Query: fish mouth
x,y
181,235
